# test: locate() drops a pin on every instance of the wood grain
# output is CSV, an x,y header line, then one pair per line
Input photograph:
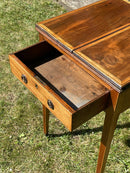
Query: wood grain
x,y
41,37
111,57
45,120
69,74
87,24
93,108
80,63
117,104
43,93
102,26
73,82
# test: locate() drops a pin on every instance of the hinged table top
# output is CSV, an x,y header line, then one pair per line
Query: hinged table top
x,y
98,34
110,57
84,25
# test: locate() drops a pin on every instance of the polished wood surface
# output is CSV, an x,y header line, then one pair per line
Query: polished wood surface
x,y
87,71
99,44
82,26
127,1
45,120
117,104
41,37
73,82
110,56
80,63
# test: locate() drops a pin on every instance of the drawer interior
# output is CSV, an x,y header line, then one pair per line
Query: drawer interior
x,y
75,86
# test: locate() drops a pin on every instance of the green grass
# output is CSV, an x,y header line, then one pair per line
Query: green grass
x,y
23,146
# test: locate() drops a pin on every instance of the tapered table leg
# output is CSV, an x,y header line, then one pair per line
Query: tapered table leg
x,y
107,135
45,120
119,102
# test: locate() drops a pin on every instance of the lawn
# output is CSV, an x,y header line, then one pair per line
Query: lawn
x,y
23,146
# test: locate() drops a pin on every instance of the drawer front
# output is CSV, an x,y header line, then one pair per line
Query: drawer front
x,y
41,91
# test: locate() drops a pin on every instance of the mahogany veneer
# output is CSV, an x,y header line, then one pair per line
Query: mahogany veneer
x,y
111,57
87,24
80,67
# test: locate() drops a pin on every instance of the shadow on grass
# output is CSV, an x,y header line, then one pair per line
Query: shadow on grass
x,y
127,142
89,131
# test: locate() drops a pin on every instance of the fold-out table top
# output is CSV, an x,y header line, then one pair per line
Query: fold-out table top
x,y
78,27
98,34
110,57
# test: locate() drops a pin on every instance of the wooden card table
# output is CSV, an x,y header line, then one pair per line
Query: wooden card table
x,y
80,67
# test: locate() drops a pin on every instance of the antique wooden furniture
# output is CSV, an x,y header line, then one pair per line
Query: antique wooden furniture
x,y
81,66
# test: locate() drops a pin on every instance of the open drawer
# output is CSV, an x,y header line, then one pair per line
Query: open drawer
x,y
69,92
